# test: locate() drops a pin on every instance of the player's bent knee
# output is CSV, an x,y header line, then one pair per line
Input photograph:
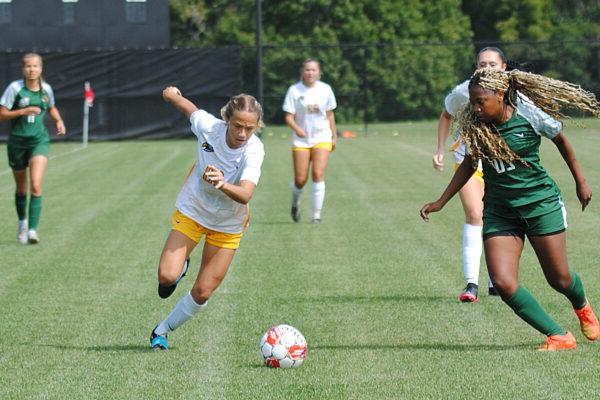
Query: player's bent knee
x,y
167,277
561,284
300,182
506,289
201,295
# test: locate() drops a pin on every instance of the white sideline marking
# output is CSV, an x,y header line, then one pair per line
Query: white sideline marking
x,y
8,171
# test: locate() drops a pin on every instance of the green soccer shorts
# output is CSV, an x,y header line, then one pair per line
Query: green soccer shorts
x,y
19,154
549,217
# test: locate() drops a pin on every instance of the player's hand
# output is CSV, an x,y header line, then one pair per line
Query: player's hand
x,y
438,161
31,110
300,132
170,93
60,127
429,208
333,142
584,194
214,176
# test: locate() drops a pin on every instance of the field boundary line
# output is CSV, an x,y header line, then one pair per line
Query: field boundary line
x,y
8,171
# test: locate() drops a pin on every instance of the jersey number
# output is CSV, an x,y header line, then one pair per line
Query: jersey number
x,y
312,108
500,167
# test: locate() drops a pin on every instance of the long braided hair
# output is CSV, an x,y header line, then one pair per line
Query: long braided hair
x,y
550,95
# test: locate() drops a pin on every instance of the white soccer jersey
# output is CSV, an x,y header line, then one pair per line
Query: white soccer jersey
x,y
454,101
309,105
457,98
200,200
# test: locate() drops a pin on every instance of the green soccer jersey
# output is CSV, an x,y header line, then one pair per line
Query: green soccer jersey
x,y
28,127
515,184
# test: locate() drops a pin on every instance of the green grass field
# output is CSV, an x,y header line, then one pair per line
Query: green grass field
x,y
373,288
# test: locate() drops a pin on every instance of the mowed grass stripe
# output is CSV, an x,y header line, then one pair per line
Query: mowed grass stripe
x,y
373,288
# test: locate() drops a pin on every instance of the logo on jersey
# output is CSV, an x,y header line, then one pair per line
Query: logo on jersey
x,y
23,102
207,147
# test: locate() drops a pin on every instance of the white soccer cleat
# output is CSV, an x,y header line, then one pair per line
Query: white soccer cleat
x,y
33,237
22,232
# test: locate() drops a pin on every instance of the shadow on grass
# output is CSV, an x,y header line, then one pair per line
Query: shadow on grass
x,y
290,222
379,299
132,348
428,346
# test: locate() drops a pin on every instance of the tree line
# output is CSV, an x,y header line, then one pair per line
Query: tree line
x,y
394,59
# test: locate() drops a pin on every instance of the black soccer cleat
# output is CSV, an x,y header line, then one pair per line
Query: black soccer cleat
x,y
469,294
166,291
492,291
295,213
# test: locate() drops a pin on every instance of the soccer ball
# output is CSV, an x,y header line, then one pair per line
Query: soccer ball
x,y
283,346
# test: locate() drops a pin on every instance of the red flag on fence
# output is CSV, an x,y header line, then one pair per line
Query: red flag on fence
x,y
88,94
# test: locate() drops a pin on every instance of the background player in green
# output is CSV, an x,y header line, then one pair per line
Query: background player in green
x,y
25,103
502,127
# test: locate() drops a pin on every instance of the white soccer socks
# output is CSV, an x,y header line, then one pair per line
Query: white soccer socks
x,y
296,192
185,309
318,196
472,249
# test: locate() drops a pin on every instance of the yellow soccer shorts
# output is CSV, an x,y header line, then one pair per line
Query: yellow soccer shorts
x,y
194,231
478,174
321,145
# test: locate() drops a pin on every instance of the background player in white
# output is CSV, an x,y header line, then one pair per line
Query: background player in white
x,y
308,107
25,103
471,194
213,202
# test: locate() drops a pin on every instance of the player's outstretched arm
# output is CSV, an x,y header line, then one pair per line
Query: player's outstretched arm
x,y
460,178
584,192
173,95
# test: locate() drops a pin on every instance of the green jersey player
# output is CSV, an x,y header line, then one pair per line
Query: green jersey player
x,y
25,103
503,127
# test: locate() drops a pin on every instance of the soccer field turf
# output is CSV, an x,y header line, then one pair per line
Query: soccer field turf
x,y
373,288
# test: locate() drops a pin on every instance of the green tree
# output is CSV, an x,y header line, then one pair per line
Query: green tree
x,y
389,59
558,38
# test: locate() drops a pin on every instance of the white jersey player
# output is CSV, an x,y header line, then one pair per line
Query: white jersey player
x,y
213,202
471,194
308,107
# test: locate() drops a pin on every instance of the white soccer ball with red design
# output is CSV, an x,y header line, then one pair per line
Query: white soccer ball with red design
x,y
283,346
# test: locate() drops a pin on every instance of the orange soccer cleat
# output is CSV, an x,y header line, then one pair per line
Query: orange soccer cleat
x,y
559,342
588,322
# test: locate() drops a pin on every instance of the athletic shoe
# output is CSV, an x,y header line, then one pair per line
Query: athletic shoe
x,y
158,342
469,294
295,213
166,291
316,220
22,232
492,291
559,342
32,237
588,322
